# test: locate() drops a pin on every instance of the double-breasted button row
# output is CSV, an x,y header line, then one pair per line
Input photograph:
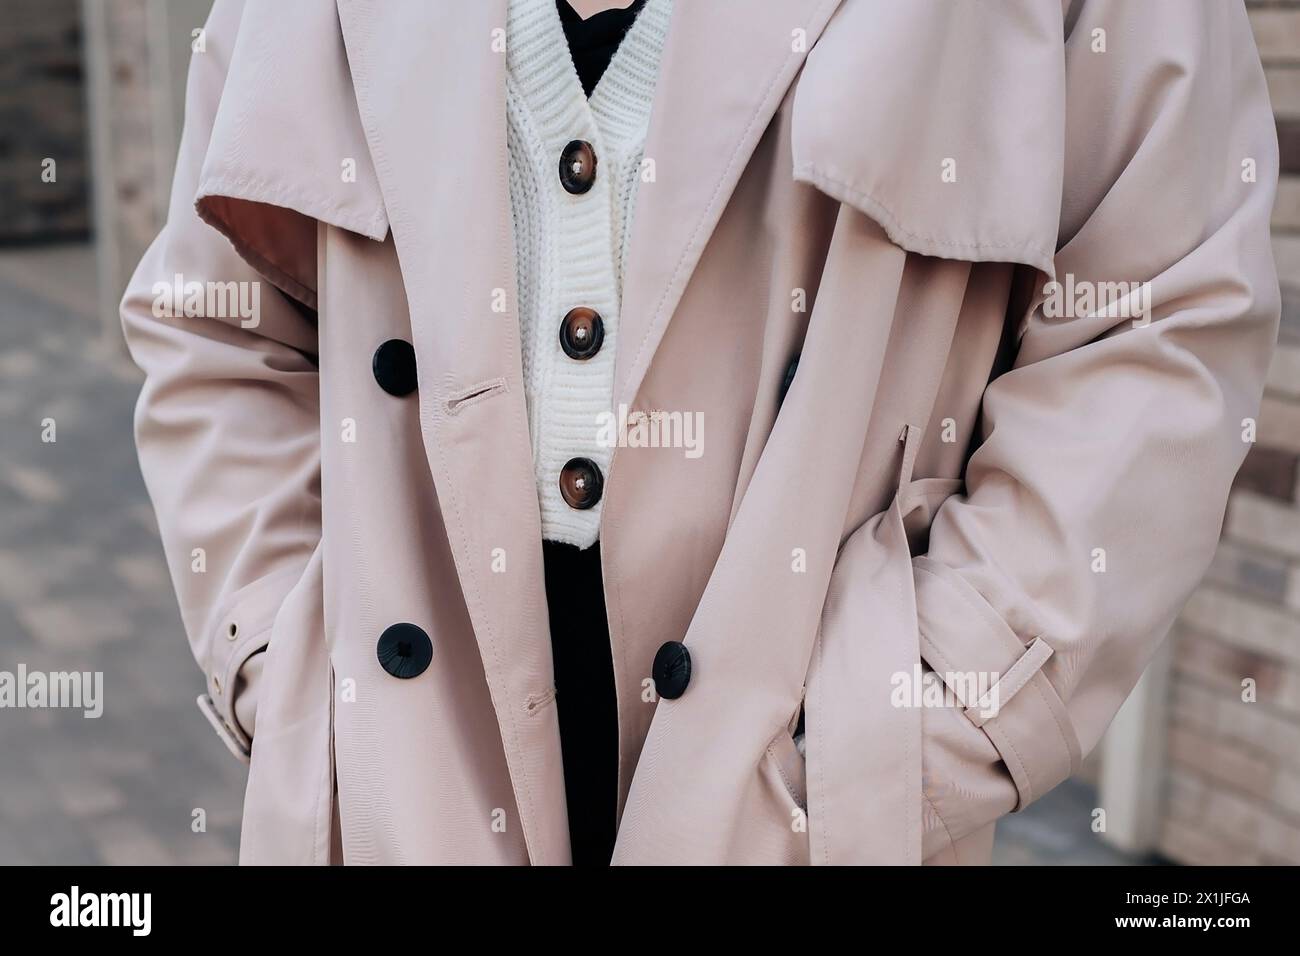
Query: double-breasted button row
x,y
404,650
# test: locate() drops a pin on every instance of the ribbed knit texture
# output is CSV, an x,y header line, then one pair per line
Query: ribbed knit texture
x,y
569,249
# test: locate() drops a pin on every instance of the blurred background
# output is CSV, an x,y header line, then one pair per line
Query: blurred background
x,y
91,102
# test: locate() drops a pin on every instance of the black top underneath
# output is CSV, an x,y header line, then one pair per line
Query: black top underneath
x,y
592,42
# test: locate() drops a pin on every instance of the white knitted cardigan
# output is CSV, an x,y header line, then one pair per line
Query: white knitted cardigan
x,y
569,249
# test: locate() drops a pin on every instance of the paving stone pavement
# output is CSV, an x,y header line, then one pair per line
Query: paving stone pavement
x,y
83,587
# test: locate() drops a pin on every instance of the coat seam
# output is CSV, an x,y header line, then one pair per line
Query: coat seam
x,y
250,189
821,769
939,816
785,778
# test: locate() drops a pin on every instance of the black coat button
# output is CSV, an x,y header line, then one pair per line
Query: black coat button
x,y
787,380
581,333
394,367
404,650
578,167
672,670
581,483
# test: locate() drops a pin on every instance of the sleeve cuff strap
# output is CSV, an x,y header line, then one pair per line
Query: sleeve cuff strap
x,y
241,627
962,637
235,742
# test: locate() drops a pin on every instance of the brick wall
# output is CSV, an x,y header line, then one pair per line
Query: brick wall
x,y
1232,787
42,114
138,57
138,138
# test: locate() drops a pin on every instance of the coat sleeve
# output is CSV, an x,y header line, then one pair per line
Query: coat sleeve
x,y
1095,499
227,423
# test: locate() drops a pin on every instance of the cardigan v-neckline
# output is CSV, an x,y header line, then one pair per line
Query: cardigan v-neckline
x,y
619,105
593,42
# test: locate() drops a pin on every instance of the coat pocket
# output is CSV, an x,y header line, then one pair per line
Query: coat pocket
x,y
784,756
918,502
289,803
773,818
864,740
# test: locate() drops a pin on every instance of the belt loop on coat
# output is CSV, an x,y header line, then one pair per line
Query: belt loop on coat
x,y
911,439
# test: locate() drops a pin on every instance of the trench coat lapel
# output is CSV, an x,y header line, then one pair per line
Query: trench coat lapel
x,y
430,86
726,66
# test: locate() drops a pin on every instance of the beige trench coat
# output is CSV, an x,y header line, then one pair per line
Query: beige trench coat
x,y
964,477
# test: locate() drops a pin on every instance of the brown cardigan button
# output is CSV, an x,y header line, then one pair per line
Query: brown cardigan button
x,y
581,483
581,333
578,167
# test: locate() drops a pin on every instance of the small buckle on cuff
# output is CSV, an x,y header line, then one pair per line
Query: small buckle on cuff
x,y
1008,684
227,735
